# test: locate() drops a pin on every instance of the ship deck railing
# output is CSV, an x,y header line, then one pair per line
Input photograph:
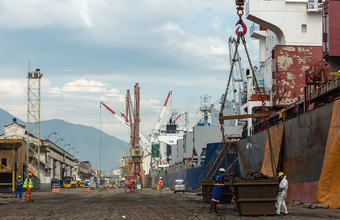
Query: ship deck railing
x,y
332,85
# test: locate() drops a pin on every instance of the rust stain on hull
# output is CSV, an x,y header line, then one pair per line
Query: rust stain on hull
x,y
290,64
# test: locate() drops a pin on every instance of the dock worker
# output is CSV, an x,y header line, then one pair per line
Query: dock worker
x,y
282,194
134,186
218,189
28,184
130,186
160,185
18,190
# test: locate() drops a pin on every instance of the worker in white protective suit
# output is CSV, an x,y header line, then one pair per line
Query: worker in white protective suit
x,y
281,195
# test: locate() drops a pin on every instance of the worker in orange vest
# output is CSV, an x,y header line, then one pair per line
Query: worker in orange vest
x,y
160,185
28,184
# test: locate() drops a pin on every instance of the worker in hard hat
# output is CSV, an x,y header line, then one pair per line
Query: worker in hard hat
x,y
28,184
18,183
282,194
218,189
160,186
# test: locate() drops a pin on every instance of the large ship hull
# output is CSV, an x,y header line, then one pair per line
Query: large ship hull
x,y
302,151
189,174
192,173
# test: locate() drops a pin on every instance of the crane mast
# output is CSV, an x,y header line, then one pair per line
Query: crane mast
x,y
143,141
157,128
136,153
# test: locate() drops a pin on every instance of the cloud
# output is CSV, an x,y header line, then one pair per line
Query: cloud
x,y
151,103
16,14
115,95
83,85
56,91
192,44
93,51
13,87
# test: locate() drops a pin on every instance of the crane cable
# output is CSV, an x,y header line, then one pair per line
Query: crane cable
x,y
240,36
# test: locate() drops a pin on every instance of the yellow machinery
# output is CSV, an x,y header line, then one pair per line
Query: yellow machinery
x,y
81,183
69,182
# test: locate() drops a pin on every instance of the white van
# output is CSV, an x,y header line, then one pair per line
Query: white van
x,y
179,186
88,182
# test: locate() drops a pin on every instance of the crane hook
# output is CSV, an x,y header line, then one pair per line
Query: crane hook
x,y
244,26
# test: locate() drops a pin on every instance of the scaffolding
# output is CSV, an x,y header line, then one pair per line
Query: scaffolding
x,y
33,121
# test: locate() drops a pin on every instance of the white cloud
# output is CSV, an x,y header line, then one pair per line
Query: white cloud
x,y
56,91
84,85
151,103
160,44
115,95
17,14
13,87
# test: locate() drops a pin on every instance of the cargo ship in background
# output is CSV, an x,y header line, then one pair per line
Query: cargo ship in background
x,y
298,72
184,154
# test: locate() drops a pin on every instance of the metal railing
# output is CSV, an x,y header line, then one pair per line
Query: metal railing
x,y
254,27
325,88
314,5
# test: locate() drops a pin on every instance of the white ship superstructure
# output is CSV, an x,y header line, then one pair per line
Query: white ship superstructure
x,y
287,31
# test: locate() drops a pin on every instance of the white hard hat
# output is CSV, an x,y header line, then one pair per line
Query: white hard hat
x,y
222,170
160,178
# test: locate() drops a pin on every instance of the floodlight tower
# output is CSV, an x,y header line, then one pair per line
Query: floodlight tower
x,y
33,121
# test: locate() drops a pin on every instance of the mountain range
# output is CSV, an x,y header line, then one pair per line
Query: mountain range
x,y
82,138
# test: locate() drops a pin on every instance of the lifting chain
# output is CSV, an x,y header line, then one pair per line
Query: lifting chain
x,y
240,36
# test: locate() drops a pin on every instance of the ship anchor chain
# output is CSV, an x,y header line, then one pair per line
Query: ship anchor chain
x,y
240,36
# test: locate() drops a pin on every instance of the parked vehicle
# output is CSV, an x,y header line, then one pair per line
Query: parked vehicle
x,y
55,182
69,182
80,183
179,186
87,182
33,189
121,183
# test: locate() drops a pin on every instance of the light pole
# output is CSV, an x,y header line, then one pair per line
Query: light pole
x,y
70,149
75,153
58,140
51,134
66,145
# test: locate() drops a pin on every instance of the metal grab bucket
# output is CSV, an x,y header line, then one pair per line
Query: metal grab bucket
x,y
256,197
208,190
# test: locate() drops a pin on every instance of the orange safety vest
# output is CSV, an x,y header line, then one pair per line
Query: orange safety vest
x,y
160,183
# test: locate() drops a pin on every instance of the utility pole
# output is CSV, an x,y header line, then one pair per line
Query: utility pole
x,y
33,121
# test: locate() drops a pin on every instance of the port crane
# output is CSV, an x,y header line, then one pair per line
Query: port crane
x,y
156,130
143,141
238,80
136,152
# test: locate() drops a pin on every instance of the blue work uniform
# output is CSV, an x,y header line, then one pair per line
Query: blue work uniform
x,y
219,187
19,187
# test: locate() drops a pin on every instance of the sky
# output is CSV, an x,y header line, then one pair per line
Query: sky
x,y
94,50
